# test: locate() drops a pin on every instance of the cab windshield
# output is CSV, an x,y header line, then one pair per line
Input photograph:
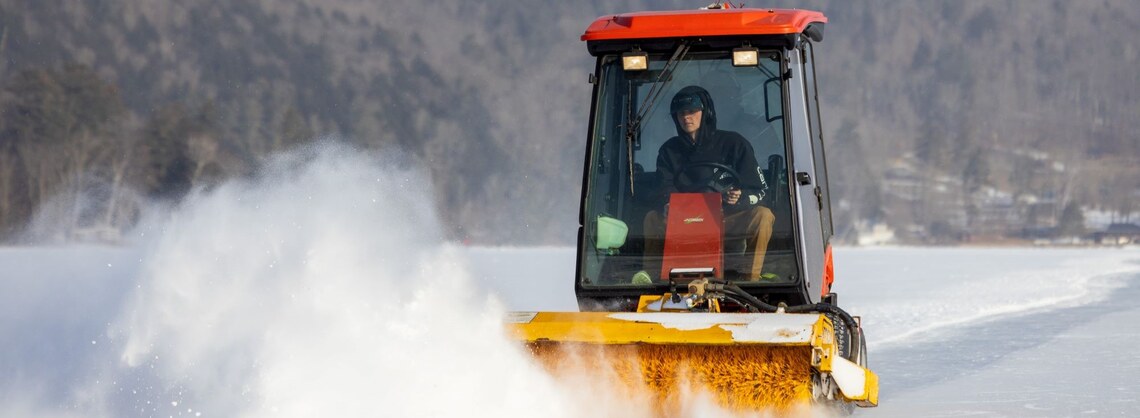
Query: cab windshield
x,y
639,171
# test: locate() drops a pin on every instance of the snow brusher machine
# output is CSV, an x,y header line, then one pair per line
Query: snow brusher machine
x,y
704,260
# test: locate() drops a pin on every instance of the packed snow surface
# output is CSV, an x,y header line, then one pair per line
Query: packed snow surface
x,y
322,287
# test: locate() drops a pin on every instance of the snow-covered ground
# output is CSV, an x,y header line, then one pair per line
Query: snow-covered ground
x,y
1000,332
322,289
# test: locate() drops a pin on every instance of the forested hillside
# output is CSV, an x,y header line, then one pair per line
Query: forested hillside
x,y
984,117
943,117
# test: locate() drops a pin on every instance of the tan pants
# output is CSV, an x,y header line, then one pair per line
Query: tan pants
x,y
754,225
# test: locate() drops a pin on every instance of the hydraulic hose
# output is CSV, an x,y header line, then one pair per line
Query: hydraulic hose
x,y
829,308
759,305
752,300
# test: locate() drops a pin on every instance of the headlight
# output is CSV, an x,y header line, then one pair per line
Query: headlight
x,y
745,57
635,61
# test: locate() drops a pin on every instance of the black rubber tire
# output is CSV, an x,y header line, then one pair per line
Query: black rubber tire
x,y
843,337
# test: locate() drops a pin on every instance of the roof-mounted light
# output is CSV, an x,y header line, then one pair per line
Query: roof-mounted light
x,y
635,61
745,57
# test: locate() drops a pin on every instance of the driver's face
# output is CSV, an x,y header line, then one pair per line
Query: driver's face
x,y
690,121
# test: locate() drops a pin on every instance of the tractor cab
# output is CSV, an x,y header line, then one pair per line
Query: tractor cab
x,y
704,263
656,209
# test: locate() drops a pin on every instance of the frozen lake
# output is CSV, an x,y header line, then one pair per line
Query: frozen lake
x,y
953,332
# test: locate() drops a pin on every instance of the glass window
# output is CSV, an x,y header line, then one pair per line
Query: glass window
x,y
636,129
820,161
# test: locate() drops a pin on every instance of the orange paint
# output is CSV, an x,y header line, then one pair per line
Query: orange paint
x,y
689,23
828,270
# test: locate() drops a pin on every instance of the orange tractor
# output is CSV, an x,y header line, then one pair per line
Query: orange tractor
x,y
704,257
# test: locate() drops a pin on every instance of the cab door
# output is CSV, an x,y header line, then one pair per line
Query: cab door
x,y
808,169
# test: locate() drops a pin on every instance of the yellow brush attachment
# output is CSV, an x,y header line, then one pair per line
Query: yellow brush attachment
x,y
739,377
745,361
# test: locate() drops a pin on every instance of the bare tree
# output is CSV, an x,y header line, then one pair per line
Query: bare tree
x,y
58,125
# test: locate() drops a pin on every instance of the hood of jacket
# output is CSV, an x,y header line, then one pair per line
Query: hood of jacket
x,y
708,113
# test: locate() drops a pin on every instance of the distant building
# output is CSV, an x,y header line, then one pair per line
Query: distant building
x,y
1118,234
874,233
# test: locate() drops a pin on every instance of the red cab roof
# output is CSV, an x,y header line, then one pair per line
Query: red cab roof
x,y
712,22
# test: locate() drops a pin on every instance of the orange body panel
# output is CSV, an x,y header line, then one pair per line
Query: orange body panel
x,y
694,233
715,22
828,270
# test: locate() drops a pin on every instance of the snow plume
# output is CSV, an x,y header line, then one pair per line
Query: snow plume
x,y
322,287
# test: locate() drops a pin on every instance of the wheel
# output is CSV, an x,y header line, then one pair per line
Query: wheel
x,y
843,337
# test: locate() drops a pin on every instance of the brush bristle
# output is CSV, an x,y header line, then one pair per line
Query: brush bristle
x,y
739,377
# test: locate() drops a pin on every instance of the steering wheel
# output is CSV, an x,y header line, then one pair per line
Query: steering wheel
x,y
719,178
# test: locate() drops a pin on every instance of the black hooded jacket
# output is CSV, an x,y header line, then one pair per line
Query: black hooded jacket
x,y
712,146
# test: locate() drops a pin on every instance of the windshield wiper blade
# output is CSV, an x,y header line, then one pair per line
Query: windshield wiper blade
x,y
663,80
650,103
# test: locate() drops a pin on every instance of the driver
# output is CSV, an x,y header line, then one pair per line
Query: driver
x,y
698,141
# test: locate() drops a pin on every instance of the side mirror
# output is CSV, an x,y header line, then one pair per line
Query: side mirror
x,y
611,234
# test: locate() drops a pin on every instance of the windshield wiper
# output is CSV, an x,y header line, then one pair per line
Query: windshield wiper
x,y
650,103
659,85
